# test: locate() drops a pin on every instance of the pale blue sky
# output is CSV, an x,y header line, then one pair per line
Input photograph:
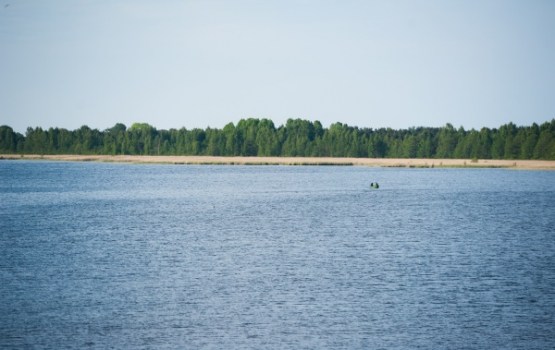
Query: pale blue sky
x,y
375,64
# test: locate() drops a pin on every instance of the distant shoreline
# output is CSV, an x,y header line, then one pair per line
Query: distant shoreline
x,y
372,162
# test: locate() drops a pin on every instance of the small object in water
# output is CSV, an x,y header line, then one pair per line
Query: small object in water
x,y
374,185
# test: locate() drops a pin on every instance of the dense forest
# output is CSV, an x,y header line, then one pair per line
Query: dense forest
x,y
260,137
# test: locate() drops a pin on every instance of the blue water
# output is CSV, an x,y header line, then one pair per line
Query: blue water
x,y
97,255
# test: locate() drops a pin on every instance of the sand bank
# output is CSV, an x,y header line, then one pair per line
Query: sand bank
x,y
379,162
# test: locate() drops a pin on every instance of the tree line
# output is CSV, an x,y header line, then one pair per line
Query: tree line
x,y
298,137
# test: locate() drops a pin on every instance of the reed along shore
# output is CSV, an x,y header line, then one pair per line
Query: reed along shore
x,y
376,162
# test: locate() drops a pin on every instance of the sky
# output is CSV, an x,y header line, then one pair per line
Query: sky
x,y
205,63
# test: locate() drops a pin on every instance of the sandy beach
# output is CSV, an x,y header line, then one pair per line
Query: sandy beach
x,y
377,162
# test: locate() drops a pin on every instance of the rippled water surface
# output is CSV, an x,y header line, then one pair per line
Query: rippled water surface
x,y
232,257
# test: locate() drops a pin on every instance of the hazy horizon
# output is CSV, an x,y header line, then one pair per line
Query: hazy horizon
x,y
277,125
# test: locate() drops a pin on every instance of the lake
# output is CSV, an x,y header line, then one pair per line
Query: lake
x,y
100,255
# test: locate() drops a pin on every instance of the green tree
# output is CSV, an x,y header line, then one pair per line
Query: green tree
x,y
410,146
531,137
447,141
545,147
8,139
512,146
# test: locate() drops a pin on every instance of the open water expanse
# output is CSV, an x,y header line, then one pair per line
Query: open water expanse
x,y
96,255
